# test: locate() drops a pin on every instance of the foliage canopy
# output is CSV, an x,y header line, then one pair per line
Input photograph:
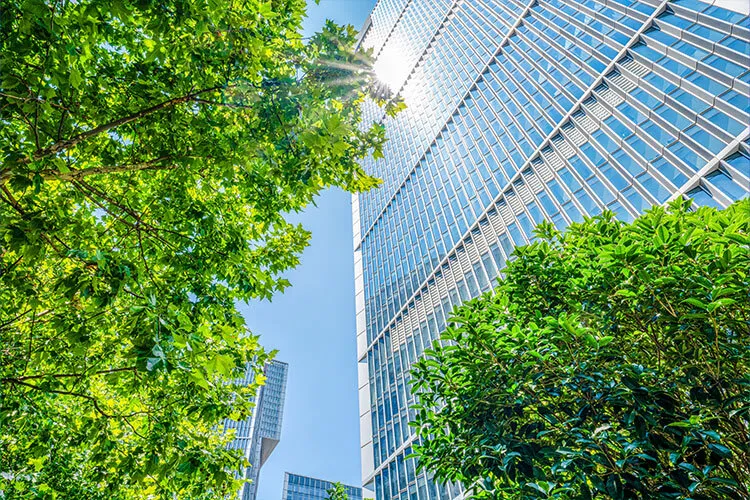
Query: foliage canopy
x,y
149,151
612,361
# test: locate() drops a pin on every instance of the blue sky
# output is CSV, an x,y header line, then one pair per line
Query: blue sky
x,y
312,326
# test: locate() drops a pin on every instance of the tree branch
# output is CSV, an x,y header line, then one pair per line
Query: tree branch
x,y
68,375
93,400
73,141
75,175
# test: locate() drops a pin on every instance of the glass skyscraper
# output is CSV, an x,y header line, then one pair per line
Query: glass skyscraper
x,y
519,111
298,487
258,435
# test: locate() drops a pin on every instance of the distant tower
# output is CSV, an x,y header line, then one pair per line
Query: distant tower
x,y
259,434
519,111
308,488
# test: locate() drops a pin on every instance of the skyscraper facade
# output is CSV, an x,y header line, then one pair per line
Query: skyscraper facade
x,y
258,435
520,111
298,487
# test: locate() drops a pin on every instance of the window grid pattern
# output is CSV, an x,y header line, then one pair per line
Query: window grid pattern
x,y
493,132
384,16
459,71
407,41
459,50
669,117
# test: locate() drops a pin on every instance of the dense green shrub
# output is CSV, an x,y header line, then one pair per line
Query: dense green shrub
x,y
612,360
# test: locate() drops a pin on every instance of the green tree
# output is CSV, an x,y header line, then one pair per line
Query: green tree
x,y
612,361
149,151
337,492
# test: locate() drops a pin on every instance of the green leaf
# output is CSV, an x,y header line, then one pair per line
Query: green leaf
x,y
725,302
720,450
603,341
75,78
696,302
220,364
591,340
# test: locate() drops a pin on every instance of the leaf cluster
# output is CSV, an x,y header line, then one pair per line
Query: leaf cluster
x,y
612,361
337,492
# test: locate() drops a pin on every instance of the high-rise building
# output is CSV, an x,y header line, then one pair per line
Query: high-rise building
x,y
258,435
519,111
298,487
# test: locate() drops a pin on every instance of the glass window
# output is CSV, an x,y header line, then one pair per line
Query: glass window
x,y
628,163
473,287
669,171
631,113
694,5
489,265
705,139
690,101
707,84
647,52
569,180
691,50
673,117
654,187
580,167
588,203
606,141
660,83
608,52
660,36
592,154
601,191
647,99
526,225
643,149
506,244
736,44
707,33
738,100
701,197
516,234
621,213
498,256
617,126
724,182
723,121
675,67
536,214
614,177
546,202
557,191
687,155
572,212
739,161
484,283
636,199
658,133
675,20
724,14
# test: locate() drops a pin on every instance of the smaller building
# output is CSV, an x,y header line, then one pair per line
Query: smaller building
x,y
298,487
258,435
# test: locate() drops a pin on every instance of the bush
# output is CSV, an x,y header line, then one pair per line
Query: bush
x,y
611,361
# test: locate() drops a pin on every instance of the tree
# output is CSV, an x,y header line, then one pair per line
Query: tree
x,y
149,153
612,361
337,492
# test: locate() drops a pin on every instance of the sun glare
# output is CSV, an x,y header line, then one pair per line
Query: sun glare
x,y
389,69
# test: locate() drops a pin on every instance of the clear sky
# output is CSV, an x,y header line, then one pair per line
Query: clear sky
x,y
312,326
